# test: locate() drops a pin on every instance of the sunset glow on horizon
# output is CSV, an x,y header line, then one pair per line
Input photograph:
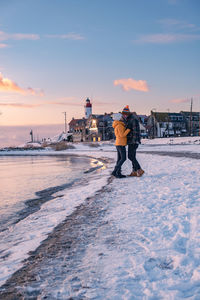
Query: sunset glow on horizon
x,y
53,55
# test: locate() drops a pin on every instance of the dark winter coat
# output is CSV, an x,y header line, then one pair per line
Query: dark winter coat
x,y
134,135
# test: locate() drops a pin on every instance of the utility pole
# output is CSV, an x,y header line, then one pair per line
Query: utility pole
x,y
153,121
191,117
103,127
199,121
168,122
65,121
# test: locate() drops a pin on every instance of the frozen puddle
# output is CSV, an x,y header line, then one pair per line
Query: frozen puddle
x,y
140,239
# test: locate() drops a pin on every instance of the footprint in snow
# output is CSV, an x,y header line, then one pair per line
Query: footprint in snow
x,y
180,244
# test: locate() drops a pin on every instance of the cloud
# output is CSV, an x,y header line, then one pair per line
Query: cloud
x,y
7,85
3,46
20,105
63,103
26,36
178,25
179,100
167,38
18,36
70,102
132,84
68,36
97,103
35,92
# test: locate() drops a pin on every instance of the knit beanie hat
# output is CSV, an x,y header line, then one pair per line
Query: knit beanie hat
x,y
126,110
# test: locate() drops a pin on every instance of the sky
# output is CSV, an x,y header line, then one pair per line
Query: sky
x,y
55,54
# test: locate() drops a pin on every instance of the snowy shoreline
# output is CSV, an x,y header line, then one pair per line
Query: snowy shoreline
x,y
49,214
166,262
64,237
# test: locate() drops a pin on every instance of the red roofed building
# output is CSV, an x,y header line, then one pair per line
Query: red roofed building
x,y
77,125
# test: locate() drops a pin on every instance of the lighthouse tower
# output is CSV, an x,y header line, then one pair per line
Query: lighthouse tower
x,y
88,108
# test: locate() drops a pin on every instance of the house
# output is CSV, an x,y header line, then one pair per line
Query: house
x,y
143,119
99,127
163,124
143,124
193,122
77,125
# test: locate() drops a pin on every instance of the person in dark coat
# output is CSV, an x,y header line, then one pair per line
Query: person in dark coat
x,y
133,140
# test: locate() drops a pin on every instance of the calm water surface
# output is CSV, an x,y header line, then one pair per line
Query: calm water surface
x,y
22,177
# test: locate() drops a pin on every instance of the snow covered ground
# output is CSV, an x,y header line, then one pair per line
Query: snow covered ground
x,y
173,140
150,242
146,245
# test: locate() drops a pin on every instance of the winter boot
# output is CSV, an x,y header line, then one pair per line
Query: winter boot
x,y
119,175
133,173
140,172
115,171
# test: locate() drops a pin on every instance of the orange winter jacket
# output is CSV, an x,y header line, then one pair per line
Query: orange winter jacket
x,y
120,133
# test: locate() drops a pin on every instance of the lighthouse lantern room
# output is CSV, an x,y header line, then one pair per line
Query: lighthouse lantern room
x,y
88,108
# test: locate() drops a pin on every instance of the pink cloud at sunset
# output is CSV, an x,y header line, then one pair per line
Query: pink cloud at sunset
x,y
20,105
132,84
68,36
3,46
79,103
63,103
7,85
18,36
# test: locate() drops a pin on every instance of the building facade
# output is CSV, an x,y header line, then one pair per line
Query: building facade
x,y
99,127
164,124
193,122
77,125
143,125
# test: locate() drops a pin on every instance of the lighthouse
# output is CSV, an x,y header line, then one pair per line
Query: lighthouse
x,y
88,108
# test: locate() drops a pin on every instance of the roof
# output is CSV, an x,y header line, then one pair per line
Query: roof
x,y
188,113
73,122
165,116
143,116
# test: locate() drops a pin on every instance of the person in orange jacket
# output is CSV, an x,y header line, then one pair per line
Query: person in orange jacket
x,y
121,141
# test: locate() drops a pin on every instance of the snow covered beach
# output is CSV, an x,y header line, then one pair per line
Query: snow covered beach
x,y
137,238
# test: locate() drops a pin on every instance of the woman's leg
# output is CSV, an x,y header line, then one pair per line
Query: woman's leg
x,y
122,157
116,169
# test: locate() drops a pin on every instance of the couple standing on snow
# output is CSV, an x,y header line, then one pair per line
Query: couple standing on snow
x,y
127,131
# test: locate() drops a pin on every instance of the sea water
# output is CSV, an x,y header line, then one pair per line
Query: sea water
x,y
22,177
36,194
